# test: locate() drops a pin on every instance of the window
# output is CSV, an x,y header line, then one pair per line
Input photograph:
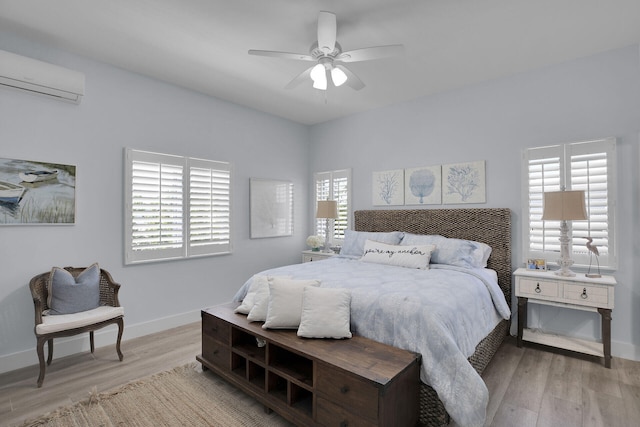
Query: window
x,y
175,207
333,185
588,166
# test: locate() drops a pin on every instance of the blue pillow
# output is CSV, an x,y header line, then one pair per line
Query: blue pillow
x,y
462,253
69,295
353,244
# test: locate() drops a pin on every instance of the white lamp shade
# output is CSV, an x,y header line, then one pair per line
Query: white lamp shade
x,y
327,209
319,76
338,76
564,206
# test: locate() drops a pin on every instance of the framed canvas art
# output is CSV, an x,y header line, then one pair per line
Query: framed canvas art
x,y
464,183
34,192
423,186
271,208
388,188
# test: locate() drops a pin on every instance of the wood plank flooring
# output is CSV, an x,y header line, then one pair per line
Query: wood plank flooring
x,y
530,386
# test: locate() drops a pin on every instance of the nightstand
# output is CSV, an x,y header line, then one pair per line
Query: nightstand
x,y
577,293
308,256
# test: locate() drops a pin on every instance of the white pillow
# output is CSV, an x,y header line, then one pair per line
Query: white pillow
x,y
285,303
416,256
258,312
353,243
325,313
459,252
250,299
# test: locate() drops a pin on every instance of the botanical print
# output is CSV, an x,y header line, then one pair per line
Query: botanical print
x,y
37,192
464,183
388,188
423,186
271,206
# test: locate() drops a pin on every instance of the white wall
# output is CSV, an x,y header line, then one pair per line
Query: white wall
x,y
121,109
585,99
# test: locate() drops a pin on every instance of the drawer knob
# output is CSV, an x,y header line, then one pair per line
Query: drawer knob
x,y
584,294
537,289
344,389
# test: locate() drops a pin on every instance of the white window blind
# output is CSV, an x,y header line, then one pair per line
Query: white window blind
x,y
172,213
333,185
588,166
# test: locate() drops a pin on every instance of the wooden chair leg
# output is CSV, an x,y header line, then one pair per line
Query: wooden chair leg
x,y
50,350
120,330
40,350
91,341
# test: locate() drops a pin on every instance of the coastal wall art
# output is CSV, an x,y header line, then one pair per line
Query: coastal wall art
x,y
423,186
464,183
271,208
388,188
33,192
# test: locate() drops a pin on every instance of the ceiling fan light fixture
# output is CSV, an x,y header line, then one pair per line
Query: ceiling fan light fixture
x,y
319,76
338,76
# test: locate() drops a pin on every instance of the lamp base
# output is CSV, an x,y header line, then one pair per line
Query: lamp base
x,y
565,273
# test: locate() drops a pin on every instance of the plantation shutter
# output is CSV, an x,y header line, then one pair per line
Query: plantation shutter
x,y
175,207
155,224
209,207
322,192
587,166
341,195
591,171
333,185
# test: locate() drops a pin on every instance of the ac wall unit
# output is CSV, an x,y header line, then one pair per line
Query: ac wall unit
x,y
40,77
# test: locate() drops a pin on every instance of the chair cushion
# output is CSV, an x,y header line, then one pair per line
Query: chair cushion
x,y
65,322
68,294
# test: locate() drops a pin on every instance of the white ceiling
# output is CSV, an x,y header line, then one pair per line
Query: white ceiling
x,y
202,44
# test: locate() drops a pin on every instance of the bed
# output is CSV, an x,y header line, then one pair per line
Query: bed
x,y
465,395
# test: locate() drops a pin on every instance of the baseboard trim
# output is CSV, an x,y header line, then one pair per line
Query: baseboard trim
x,y
103,337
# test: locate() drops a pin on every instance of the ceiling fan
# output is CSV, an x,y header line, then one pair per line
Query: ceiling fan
x,y
329,57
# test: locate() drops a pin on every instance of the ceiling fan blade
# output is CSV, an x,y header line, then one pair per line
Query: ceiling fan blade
x,y
369,53
285,55
352,80
300,78
327,30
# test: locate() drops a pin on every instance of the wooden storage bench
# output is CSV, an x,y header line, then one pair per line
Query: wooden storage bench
x,y
312,382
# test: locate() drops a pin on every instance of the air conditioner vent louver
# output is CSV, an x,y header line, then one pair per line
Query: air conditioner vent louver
x,y
39,77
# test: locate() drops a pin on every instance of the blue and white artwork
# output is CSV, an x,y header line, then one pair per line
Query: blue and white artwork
x,y
388,188
34,192
464,183
423,186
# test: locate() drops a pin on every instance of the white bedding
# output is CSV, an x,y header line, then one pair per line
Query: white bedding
x,y
441,313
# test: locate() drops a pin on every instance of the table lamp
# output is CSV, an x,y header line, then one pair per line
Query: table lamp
x,y
564,206
327,209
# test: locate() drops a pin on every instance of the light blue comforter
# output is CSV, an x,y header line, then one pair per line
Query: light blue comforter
x,y
441,313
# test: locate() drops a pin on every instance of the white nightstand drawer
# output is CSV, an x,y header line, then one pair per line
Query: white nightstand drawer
x,y
538,288
587,295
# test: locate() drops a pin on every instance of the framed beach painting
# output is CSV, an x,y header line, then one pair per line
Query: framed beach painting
x,y
33,192
388,188
423,186
271,208
464,183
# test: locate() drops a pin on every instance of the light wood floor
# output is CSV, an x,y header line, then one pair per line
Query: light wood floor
x,y
530,386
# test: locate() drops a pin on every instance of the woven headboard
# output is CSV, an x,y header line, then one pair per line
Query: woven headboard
x,y
490,226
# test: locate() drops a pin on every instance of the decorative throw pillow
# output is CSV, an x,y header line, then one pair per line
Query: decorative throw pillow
x,y
414,256
258,313
285,303
326,313
69,295
250,299
353,244
458,252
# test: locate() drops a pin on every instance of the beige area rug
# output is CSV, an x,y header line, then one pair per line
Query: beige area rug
x,y
184,396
